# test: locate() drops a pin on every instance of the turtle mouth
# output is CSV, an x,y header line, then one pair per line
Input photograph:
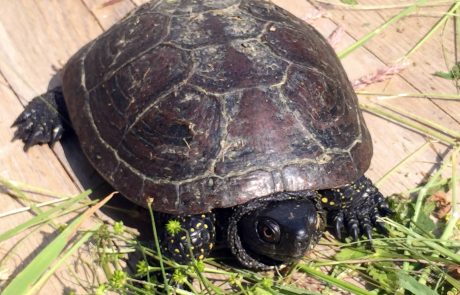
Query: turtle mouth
x,y
275,259
272,260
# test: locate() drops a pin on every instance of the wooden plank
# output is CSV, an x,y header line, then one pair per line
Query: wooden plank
x,y
108,12
37,37
437,54
40,168
54,30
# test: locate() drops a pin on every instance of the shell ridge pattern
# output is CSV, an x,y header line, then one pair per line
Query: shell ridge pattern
x,y
223,140
115,170
258,42
158,3
93,125
236,66
294,113
123,93
236,90
191,9
326,151
160,99
276,14
153,104
292,62
254,58
241,172
212,27
148,107
113,72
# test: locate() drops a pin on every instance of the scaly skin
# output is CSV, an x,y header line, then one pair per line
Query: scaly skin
x,y
200,229
42,121
355,208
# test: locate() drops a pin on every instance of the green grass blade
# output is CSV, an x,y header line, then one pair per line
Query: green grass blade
x,y
334,281
381,28
453,281
402,162
30,188
451,224
84,238
423,193
292,290
157,245
433,95
422,120
410,284
25,280
375,109
431,244
396,5
438,24
42,217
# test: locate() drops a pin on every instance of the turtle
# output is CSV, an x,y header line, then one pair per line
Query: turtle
x,y
232,118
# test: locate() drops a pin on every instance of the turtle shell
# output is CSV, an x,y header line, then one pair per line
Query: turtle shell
x,y
209,104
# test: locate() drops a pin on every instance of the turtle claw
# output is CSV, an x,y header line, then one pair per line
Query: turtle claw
x,y
21,118
368,231
382,229
361,222
354,234
358,208
56,135
339,226
366,228
353,230
378,224
385,210
41,120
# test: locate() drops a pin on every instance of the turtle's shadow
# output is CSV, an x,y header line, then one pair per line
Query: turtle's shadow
x,y
118,208
82,172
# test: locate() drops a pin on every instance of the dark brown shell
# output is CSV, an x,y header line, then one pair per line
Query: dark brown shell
x,y
207,104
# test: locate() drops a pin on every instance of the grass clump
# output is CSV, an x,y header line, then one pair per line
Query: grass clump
x,y
412,259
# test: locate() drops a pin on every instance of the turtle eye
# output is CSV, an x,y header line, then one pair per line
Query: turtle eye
x,y
269,230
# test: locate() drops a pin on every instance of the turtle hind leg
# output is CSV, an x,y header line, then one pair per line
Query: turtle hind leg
x,y
42,120
195,236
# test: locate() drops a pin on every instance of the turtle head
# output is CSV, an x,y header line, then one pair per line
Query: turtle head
x,y
272,231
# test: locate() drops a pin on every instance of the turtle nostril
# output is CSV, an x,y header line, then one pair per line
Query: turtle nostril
x,y
300,248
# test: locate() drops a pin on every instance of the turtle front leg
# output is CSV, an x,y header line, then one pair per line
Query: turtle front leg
x,y
173,237
355,208
42,121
